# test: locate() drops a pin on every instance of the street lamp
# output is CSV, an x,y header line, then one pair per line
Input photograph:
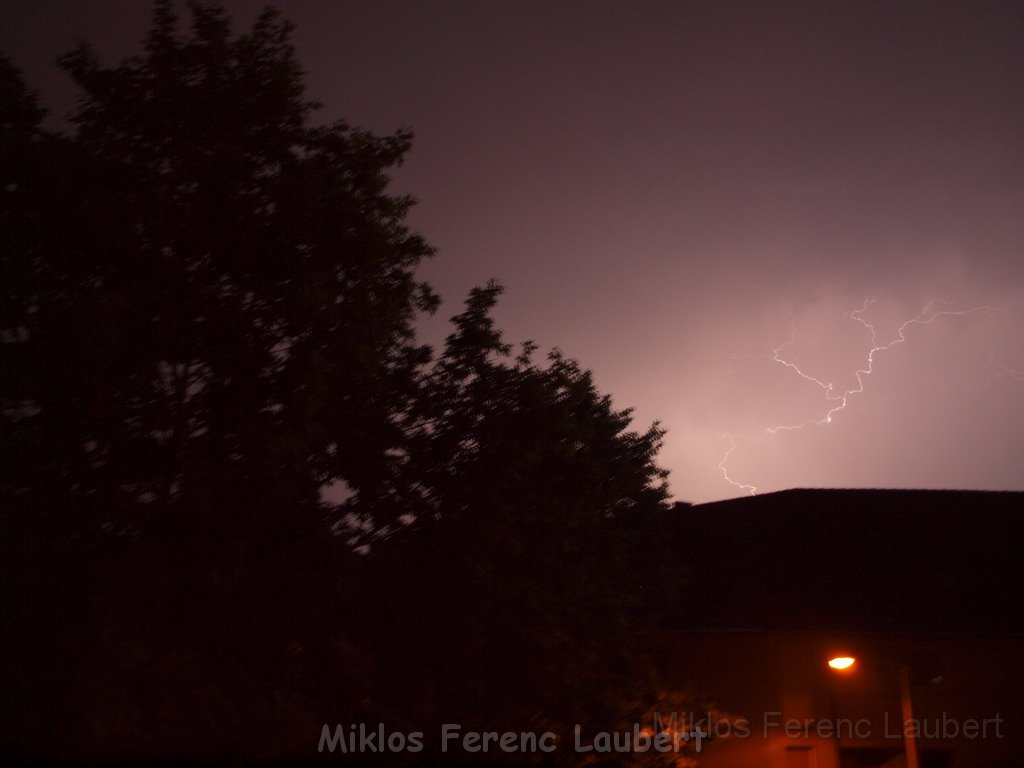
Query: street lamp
x,y
906,707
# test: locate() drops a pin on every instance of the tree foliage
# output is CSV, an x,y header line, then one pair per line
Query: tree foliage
x,y
529,579
208,319
228,293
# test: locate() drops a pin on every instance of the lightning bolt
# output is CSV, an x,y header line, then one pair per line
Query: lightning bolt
x,y
725,472
838,401
1004,370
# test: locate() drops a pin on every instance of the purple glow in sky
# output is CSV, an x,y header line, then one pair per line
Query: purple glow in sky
x,y
671,191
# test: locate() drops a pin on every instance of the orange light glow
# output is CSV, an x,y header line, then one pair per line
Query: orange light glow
x,y
841,662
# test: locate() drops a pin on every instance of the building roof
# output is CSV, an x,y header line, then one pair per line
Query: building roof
x,y
854,560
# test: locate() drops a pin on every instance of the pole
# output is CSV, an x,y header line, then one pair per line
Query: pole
x,y
909,726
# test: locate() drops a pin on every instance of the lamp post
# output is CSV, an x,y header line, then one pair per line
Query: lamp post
x,y
844,663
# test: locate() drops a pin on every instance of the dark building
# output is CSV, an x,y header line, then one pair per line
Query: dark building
x,y
929,582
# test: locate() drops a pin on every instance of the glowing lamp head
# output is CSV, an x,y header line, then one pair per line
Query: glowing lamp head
x,y
841,662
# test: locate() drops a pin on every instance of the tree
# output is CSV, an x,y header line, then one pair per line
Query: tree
x,y
208,313
227,290
528,589
208,319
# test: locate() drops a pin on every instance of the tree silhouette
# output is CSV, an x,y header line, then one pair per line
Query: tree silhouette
x,y
226,290
208,317
527,581
207,322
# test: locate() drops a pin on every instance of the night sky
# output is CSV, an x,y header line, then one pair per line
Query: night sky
x,y
671,191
